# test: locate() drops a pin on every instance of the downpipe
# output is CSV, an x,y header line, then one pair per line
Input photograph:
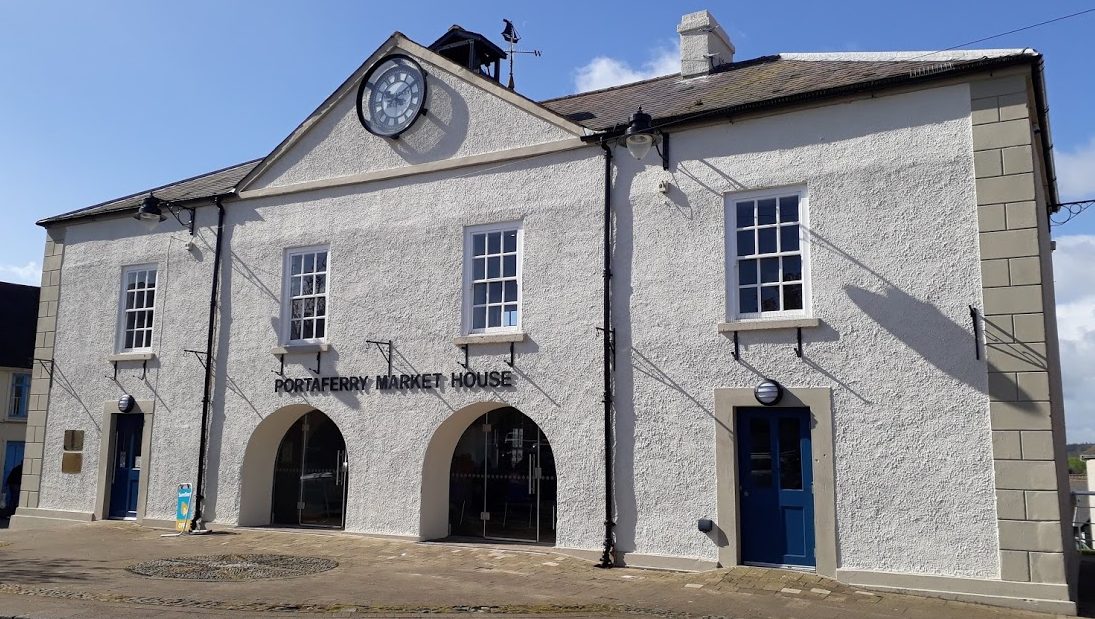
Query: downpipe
x,y
197,524
608,558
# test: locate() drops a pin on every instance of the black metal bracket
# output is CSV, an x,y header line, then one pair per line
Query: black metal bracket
x,y
976,335
198,354
144,368
387,355
48,369
611,342
466,364
318,353
511,356
280,372
737,352
798,347
664,150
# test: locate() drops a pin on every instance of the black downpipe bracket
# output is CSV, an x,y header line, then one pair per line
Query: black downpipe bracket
x,y
196,523
608,558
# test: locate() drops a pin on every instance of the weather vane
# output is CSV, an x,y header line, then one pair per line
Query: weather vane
x,y
511,37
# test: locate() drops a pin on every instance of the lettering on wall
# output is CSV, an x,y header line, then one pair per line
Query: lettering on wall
x,y
396,382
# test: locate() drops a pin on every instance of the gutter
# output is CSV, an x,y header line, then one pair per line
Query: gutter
x,y
1038,77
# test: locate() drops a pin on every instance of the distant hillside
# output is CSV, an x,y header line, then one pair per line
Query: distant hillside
x,y
1075,450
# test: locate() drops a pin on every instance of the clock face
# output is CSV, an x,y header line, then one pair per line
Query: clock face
x,y
391,96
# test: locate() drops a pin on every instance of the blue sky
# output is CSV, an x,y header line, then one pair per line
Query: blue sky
x,y
103,99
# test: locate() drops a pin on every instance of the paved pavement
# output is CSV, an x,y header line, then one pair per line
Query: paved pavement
x,y
81,572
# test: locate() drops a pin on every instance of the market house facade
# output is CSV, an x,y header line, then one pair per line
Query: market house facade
x,y
437,301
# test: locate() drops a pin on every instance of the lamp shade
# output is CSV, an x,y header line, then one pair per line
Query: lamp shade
x,y
150,213
768,392
639,136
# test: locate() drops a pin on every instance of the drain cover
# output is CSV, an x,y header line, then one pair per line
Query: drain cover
x,y
228,568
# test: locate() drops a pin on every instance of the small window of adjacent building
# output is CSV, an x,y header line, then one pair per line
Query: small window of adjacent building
x,y
306,272
767,266
20,395
492,273
138,307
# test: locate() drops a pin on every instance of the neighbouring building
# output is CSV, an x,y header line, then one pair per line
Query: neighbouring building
x,y
18,314
797,312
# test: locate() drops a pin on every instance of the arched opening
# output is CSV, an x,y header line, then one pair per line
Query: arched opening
x,y
294,471
502,480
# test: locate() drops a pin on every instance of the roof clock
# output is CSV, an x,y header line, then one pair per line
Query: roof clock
x,y
391,96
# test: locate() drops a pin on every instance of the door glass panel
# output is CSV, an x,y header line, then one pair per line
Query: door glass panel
x,y
466,481
310,474
760,453
790,455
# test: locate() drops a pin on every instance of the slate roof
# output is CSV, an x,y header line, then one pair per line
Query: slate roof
x,y
765,82
194,188
761,82
19,315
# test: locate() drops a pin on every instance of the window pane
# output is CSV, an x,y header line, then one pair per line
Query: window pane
x,y
309,308
480,294
129,339
760,453
479,269
766,240
309,263
747,300
790,455
130,300
745,243
321,261
509,266
150,298
320,327
130,320
511,291
747,272
479,318
294,286
151,278
509,240
769,270
307,331
494,316
479,244
792,268
788,238
131,280
297,308
495,292
788,209
294,330
321,284
769,299
321,306
510,316
766,211
307,285
294,263
138,320
494,243
792,297
745,214
493,267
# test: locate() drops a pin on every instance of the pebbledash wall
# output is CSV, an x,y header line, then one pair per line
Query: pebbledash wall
x,y
941,472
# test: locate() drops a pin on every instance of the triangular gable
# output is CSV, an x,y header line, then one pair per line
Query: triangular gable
x,y
468,115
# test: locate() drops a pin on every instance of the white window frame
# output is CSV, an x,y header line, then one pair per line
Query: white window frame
x,y
286,298
123,311
731,262
11,397
468,281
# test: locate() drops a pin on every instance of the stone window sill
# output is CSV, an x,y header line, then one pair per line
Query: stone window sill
x,y
489,338
16,420
765,325
131,356
289,349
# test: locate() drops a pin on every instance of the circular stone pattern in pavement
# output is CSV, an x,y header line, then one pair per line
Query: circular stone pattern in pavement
x,y
229,568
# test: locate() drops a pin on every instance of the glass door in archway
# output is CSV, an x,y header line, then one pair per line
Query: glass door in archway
x,y
310,474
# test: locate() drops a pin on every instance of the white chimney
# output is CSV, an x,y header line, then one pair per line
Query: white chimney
x,y
704,44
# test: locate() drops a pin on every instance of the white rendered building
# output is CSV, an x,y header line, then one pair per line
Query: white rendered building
x,y
413,292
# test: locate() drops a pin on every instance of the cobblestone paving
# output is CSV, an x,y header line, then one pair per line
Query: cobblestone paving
x,y
222,568
86,567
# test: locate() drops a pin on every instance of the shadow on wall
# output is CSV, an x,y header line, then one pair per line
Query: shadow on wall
x,y
926,330
441,130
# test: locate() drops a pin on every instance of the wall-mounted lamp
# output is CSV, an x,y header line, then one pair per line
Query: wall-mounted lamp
x,y
151,213
640,136
768,393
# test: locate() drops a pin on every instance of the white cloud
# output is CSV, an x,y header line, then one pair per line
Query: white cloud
x,y
1076,172
29,273
1076,330
603,71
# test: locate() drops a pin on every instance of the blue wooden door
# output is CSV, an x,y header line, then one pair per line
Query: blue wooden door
x,y
127,466
776,486
13,457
